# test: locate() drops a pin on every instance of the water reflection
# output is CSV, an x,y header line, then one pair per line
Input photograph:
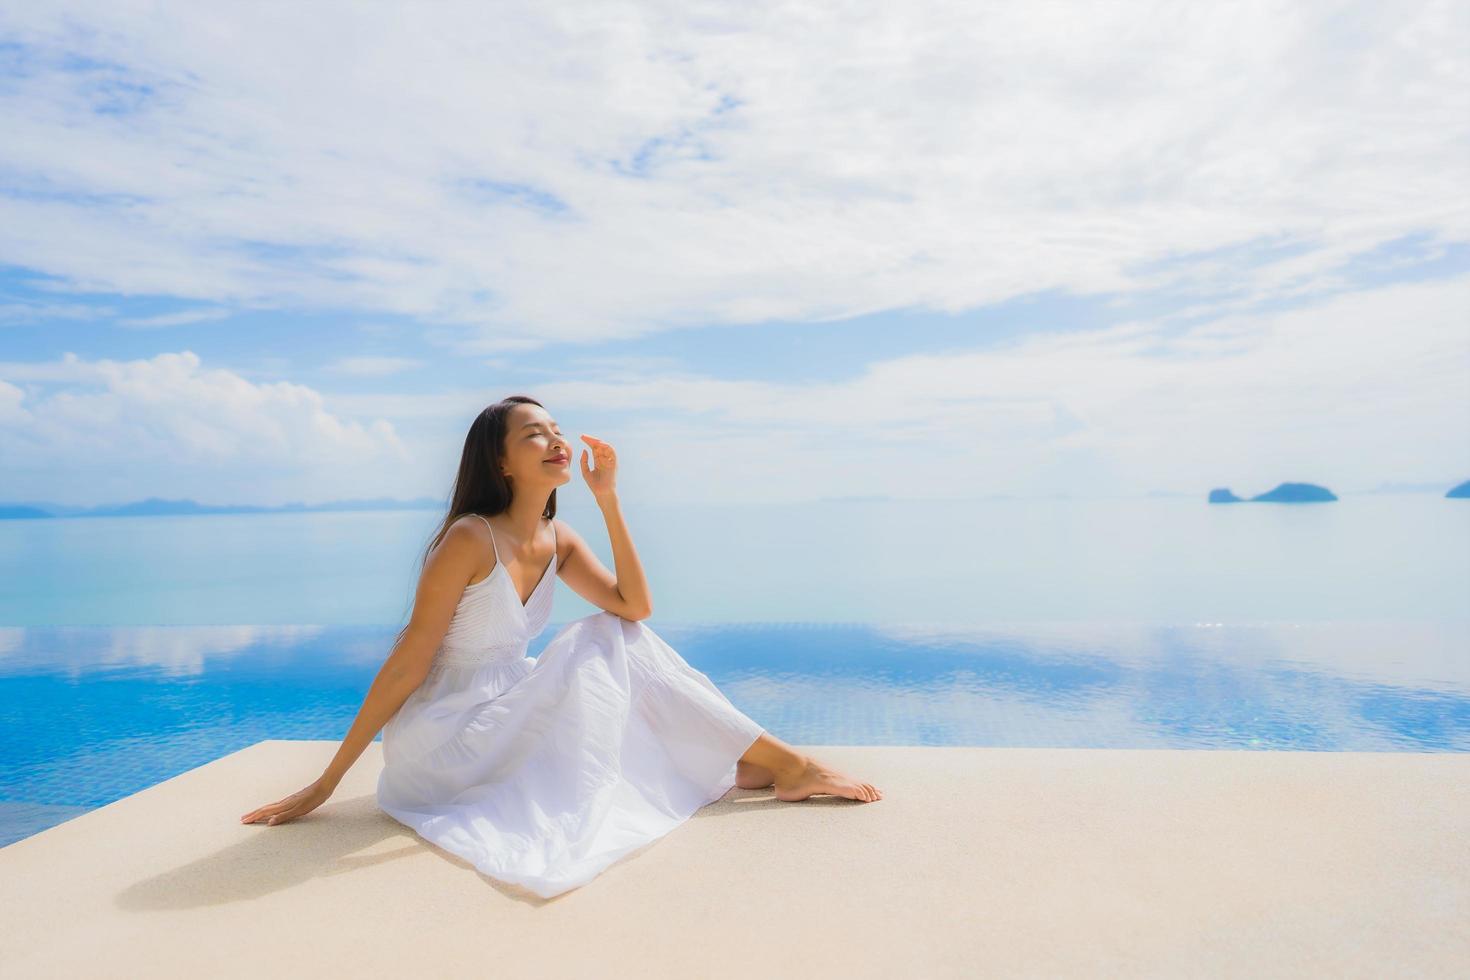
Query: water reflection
x,y
92,714
1331,686
176,651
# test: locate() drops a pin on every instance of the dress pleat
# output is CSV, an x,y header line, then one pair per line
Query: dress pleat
x,y
543,772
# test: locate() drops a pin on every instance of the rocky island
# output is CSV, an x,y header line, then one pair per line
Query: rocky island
x,y
1284,493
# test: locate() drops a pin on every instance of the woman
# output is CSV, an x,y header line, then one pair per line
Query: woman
x,y
542,772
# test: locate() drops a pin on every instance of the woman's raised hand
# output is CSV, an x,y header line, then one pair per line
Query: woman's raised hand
x,y
600,480
297,804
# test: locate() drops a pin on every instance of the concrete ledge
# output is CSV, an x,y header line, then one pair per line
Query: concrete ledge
x,y
979,862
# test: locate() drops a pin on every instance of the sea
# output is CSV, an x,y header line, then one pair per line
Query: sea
x,y
133,649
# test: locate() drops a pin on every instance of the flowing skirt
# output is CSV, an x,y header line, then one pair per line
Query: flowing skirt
x,y
543,772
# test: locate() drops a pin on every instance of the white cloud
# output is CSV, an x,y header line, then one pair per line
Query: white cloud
x,y
509,177
436,406
24,313
1345,392
103,431
375,366
174,319
524,174
11,411
1348,391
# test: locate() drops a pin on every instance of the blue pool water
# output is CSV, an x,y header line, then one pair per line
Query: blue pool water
x,y
91,714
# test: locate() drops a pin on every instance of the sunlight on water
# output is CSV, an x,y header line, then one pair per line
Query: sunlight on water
x,y
93,714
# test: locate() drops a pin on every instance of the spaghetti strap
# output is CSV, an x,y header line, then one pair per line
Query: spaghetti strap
x,y
492,538
541,772
549,520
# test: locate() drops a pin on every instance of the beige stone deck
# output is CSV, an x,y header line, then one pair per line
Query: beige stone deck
x,y
979,862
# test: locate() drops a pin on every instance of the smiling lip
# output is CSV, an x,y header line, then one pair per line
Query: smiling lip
x,y
557,459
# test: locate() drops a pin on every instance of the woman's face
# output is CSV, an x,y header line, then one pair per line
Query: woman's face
x,y
532,441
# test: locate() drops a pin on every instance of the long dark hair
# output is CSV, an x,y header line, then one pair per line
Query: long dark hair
x,y
479,486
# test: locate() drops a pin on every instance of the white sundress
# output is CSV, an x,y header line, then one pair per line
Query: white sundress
x,y
542,772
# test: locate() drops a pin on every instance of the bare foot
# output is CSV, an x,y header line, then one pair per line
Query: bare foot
x,y
748,775
806,780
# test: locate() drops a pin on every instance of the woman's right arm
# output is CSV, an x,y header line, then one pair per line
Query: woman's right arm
x,y
447,571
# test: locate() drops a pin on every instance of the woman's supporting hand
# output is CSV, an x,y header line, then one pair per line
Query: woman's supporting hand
x,y
297,804
600,480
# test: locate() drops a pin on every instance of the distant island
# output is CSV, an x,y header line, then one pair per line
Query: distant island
x,y
1285,493
1463,490
156,507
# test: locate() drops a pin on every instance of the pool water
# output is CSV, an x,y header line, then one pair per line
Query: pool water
x,y
89,715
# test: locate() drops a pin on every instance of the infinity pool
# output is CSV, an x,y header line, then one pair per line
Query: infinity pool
x,y
90,714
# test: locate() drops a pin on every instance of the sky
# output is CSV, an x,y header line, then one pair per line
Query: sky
x,y
264,253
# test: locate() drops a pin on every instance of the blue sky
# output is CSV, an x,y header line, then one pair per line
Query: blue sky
x,y
929,252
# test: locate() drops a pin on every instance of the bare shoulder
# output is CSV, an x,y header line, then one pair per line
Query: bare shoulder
x,y
464,541
468,544
454,560
567,540
472,521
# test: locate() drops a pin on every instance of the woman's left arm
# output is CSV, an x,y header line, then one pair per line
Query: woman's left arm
x,y
630,582
625,593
